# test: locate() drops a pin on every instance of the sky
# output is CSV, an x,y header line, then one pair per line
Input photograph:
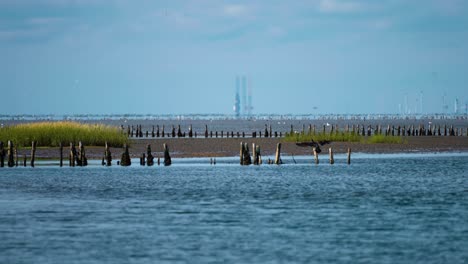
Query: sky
x,y
181,57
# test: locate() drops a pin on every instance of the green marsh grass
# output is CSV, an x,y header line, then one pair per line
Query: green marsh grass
x,y
338,137
376,139
50,134
343,137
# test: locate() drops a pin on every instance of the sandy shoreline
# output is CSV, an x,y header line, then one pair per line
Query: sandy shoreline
x,y
229,147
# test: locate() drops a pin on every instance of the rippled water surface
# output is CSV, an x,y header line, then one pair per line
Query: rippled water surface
x,y
381,209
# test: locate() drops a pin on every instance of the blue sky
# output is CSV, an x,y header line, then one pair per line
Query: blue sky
x,y
99,56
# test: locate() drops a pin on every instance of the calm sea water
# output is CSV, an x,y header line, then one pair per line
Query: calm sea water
x,y
381,209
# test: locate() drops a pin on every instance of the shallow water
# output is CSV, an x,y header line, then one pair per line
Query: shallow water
x,y
381,209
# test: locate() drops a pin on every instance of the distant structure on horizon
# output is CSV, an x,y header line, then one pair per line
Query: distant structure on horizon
x,y
243,104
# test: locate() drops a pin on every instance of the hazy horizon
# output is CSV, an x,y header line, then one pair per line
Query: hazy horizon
x,y
178,57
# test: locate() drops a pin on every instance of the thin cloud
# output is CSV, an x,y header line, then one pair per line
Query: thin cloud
x,y
337,6
236,10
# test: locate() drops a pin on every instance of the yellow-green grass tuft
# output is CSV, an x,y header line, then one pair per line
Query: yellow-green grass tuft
x,y
51,134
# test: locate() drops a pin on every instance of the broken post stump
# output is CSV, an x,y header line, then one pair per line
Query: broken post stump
x,y
149,156
61,154
167,157
10,155
332,160
83,161
125,158
72,155
247,159
107,156
2,155
278,154
33,153
314,150
349,156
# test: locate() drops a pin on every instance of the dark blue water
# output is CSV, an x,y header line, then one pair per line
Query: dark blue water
x,y
381,209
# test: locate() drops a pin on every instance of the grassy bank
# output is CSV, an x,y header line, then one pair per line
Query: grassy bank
x,y
343,137
50,134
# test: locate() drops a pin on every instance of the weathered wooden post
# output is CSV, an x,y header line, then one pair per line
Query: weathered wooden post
x,y
254,154
190,132
10,155
2,155
152,132
332,160
107,156
72,154
241,155
179,132
349,156
206,131
25,160
247,159
16,157
83,161
141,132
33,153
173,133
149,156
257,157
162,131
143,159
167,157
125,158
278,154
314,150
157,131
61,154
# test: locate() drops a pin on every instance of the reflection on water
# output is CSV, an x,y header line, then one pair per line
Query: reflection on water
x,y
382,208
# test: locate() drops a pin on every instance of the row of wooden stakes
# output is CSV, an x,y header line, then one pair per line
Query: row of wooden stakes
x,y
361,130
77,157
256,158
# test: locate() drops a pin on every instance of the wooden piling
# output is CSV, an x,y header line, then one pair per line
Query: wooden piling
x,y
107,156
206,131
257,157
167,157
162,131
33,153
349,156
314,150
83,161
247,159
16,157
10,155
241,154
190,132
125,158
2,155
61,154
254,154
25,160
332,160
278,154
72,154
149,156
